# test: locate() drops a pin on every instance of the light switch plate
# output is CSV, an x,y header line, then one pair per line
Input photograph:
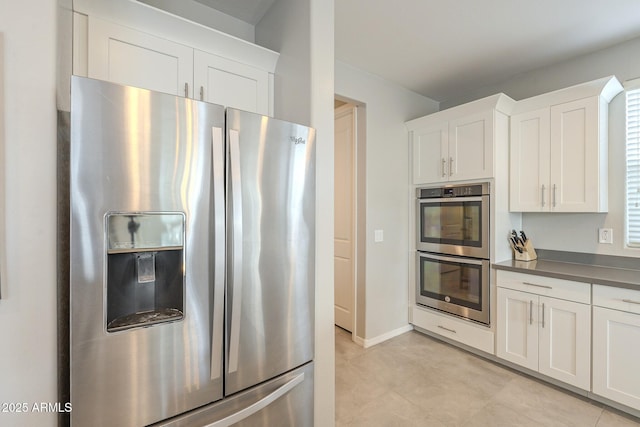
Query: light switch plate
x,y
378,236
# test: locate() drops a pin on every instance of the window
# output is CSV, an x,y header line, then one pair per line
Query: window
x,y
633,164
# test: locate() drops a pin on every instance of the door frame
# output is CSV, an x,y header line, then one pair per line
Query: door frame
x,y
359,215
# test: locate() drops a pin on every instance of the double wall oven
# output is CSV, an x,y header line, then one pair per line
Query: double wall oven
x,y
452,242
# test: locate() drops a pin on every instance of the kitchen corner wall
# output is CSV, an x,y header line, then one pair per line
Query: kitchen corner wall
x,y
578,232
388,106
28,304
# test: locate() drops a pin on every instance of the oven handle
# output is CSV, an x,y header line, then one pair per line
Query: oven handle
x,y
454,199
472,261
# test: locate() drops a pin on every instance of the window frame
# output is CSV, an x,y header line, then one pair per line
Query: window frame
x,y
632,144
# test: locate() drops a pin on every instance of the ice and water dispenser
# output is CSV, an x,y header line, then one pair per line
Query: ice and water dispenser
x,y
145,269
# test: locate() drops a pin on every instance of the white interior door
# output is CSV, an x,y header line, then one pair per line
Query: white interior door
x,y
344,242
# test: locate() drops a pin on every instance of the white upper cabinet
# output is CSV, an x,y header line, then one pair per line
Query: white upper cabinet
x,y
559,149
459,143
106,50
125,56
230,83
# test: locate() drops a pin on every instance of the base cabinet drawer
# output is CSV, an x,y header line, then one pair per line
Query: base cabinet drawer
x,y
462,331
616,353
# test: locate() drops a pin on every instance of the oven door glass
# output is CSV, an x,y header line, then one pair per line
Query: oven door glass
x,y
454,226
455,285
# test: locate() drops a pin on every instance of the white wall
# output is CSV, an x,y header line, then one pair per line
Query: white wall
x,y
388,106
302,31
285,29
578,232
28,305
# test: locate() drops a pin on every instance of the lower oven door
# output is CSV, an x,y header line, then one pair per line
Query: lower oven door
x,y
454,285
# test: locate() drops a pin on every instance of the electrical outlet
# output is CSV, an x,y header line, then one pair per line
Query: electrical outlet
x,y
605,235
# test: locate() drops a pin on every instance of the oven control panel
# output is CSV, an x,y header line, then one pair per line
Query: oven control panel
x,y
453,191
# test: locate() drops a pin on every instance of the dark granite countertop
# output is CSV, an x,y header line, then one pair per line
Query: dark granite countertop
x,y
610,275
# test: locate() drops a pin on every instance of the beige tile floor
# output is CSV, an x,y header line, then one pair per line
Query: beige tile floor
x,y
415,380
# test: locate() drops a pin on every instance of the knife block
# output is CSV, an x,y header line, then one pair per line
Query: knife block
x,y
528,253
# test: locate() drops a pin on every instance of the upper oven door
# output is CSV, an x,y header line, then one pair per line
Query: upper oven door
x,y
456,226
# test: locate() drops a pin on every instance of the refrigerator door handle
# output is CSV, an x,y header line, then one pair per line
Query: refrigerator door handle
x,y
236,252
217,152
259,405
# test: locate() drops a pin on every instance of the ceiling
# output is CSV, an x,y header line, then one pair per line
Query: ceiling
x,y
444,49
250,11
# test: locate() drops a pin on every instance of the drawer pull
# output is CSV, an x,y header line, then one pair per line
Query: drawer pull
x,y
537,286
630,301
447,329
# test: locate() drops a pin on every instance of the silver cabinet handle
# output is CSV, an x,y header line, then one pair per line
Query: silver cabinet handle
x,y
543,195
447,329
186,90
543,315
201,93
630,301
554,195
236,249
531,312
259,405
450,166
219,254
444,167
537,286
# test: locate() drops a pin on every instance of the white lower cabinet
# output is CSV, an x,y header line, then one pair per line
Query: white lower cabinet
x,y
460,330
545,334
616,345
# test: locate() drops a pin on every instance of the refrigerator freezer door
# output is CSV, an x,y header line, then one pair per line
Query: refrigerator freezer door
x,y
284,401
271,248
137,151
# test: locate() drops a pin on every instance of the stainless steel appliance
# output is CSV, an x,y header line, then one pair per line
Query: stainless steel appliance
x,y
192,262
454,220
452,261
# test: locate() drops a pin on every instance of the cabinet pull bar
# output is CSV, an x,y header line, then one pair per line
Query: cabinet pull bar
x,y
542,195
444,163
201,93
554,195
450,166
531,312
543,315
537,286
630,301
186,90
447,329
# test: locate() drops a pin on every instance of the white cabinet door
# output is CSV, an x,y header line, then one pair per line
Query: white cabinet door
x,y
565,341
575,162
430,154
529,161
517,328
471,147
616,352
123,55
229,83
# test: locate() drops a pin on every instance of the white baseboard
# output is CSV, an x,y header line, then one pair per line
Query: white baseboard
x,y
370,342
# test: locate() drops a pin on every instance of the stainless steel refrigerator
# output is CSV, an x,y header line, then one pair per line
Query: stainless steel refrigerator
x,y
192,262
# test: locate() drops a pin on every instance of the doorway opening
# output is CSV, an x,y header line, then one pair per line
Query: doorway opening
x,y
350,218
